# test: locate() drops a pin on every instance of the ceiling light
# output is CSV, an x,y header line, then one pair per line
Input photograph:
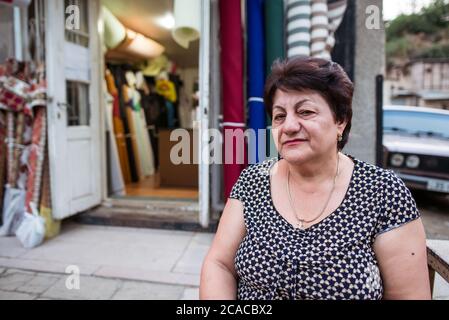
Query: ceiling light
x,y
167,21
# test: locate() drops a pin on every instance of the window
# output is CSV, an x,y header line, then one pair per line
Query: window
x,y
79,20
413,122
78,108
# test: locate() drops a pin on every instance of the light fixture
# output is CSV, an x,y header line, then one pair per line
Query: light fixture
x,y
187,21
138,46
412,161
397,159
167,21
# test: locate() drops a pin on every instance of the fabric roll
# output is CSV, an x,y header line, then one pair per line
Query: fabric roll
x,y
142,138
311,25
10,147
256,79
170,114
36,158
2,155
132,131
116,180
18,146
298,27
119,79
52,226
114,31
231,61
274,32
335,11
118,129
150,166
319,31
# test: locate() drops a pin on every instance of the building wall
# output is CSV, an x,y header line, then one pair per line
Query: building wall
x,y
430,75
369,62
6,32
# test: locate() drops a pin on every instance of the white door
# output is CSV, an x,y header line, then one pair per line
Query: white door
x,y
203,125
73,64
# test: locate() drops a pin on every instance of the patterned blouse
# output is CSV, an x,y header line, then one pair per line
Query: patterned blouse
x,y
333,259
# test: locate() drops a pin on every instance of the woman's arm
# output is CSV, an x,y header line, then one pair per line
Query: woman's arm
x,y
402,258
218,276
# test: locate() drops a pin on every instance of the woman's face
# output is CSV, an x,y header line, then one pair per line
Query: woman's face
x,y
304,127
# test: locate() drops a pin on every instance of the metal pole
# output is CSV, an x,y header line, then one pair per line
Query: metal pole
x,y
379,120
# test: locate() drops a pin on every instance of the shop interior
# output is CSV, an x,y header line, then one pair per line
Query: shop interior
x,y
150,89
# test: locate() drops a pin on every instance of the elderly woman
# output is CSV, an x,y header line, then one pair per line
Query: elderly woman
x,y
316,223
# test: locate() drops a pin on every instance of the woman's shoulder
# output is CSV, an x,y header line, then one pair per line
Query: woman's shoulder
x,y
259,169
375,174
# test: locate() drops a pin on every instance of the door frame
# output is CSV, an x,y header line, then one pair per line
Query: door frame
x,y
203,202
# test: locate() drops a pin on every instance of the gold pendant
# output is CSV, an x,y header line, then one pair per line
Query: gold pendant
x,y
300,225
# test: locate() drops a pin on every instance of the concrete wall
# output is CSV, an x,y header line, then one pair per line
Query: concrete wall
x,y
369,61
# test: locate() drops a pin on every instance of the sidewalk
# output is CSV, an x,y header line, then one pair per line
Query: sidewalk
x,y
114,263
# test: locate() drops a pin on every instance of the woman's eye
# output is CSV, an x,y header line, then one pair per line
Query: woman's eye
x,y
279,117
305,112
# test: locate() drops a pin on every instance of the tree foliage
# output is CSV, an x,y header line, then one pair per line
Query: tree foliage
x,y
420,35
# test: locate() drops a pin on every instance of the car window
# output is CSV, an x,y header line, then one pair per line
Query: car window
x,y
417,123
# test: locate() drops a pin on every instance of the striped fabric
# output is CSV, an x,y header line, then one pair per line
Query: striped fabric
x,y
298,27
319,31
311,25
335,12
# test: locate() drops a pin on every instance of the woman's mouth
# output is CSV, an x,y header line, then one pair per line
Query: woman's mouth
x,y
293,142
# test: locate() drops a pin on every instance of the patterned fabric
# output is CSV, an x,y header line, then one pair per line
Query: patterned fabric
x,y
10,148
311,25
2,154
36,158
13,93
332,259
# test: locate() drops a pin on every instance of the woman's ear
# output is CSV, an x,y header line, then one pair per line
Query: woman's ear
x,y
341,126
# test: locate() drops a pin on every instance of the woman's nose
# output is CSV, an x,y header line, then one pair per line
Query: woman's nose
x,y
291,124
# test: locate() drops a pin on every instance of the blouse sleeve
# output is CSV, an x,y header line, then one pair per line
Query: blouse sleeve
x,y
398,207
239,189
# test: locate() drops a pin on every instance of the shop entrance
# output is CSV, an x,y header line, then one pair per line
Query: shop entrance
x,y
134,81
152,90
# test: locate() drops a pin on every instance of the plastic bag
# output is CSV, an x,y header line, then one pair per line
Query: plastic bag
x,y
13,208
31,231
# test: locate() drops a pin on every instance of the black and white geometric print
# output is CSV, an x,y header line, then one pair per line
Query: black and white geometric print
x,y
333,259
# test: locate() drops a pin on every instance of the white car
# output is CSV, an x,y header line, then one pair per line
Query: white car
x,y
416,146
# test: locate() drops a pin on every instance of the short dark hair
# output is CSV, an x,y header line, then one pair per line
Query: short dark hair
x,y
323,76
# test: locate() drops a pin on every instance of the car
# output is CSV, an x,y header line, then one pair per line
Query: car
x,y
416,146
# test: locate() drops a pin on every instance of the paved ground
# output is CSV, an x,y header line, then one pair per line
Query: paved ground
x,y
434,209
18,284
135,263
113,262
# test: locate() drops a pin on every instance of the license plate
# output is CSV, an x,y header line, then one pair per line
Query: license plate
x,y
438,185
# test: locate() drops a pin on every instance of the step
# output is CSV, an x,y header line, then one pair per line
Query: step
x,y
178,216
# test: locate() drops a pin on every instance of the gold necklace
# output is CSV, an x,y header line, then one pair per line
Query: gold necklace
x,y
300,223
